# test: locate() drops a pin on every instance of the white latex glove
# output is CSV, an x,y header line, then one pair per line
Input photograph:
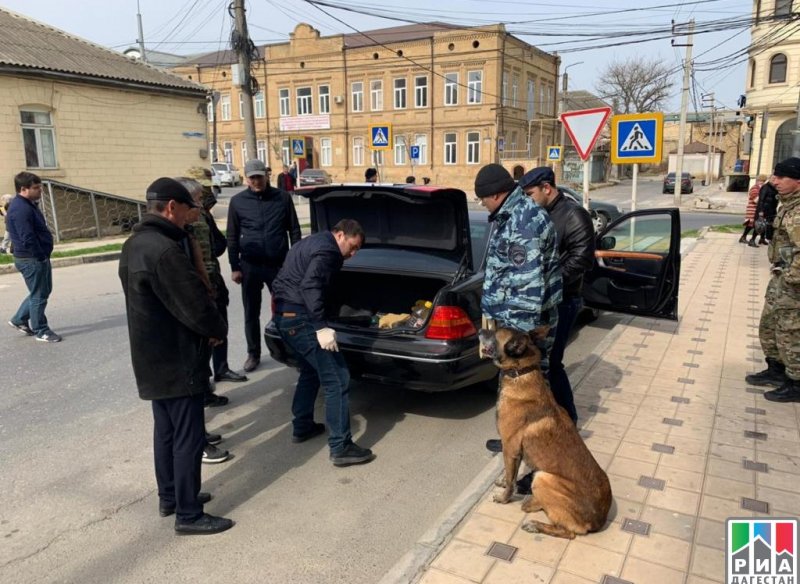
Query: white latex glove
x,y
326,338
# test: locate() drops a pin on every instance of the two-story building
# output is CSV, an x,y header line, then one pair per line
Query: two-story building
x,y
462,96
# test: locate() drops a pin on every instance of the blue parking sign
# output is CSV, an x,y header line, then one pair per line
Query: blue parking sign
x,y
414,152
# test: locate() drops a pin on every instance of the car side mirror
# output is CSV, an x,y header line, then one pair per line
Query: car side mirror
x,y
608,242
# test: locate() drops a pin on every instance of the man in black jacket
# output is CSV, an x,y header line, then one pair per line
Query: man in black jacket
x,y
261,223
171,318
767,208
299,292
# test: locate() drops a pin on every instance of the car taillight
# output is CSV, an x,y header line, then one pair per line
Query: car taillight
x,y
449,322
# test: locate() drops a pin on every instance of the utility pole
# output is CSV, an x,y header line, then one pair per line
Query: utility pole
x,y
242,45
687,69
564,89
142,54
708,102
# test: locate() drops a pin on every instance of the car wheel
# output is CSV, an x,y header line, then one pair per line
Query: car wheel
x,y
602,221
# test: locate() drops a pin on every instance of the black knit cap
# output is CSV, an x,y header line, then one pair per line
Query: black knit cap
x,y
789,168
168,189
493,179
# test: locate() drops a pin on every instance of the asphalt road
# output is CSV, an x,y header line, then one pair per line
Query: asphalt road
x,y
79,500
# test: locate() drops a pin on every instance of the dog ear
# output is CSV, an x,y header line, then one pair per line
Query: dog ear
x,y
517,345
539,333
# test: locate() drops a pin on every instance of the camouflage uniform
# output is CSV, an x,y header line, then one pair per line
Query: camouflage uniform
x,y
522,286
779,328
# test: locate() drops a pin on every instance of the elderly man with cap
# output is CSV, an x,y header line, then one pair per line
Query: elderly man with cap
x,y
779,328
261,223
170,317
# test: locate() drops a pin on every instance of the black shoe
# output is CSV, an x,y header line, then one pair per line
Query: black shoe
x,y
206,525
214,455
229,375
167,510
524,484
251,363
212,400
788,392
494,445
752,243
315,431
213,438
763,242
742,239
48,337
23,328
773,376
352,454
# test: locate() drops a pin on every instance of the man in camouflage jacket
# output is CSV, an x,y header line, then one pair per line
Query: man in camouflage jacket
x,y
779,328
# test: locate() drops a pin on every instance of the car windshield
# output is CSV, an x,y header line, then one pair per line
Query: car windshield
x,y
219,166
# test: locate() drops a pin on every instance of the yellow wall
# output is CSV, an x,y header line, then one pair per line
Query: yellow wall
x,y
109,140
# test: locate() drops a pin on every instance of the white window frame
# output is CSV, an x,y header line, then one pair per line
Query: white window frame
x,y
286,151
514,89
212,111
244,152
38,129
358,151
225,107
504,92
261,146
324,92
241,105
284,102
357,96
400,151
421,140
325,152
420,92
473,147
258,105
513,141
305,102
450,148
227,152
451,89
474,87
400,93
376,95
531,105
542,98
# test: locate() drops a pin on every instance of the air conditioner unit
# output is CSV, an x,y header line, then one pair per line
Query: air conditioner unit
x,y
338,99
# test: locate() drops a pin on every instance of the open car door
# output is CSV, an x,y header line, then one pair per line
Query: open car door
x,y
637,265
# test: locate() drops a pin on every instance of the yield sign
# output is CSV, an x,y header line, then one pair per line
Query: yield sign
x,y
584,126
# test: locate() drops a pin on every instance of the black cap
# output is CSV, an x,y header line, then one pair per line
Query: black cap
x,y
168,189
537,176
789,168
493,179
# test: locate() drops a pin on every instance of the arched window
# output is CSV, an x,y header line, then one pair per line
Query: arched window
x,y
783,141
783,7
777,69
752,72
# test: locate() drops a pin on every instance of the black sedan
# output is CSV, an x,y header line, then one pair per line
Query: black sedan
x,y
687,186
423,245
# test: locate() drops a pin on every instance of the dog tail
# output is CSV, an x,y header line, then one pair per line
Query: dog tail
x,y
534,526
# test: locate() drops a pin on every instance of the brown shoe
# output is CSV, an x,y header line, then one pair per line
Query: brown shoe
x,y
251,363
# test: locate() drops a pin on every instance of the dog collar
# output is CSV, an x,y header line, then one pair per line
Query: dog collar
x,y
519,372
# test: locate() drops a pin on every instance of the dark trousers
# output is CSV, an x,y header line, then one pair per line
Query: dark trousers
x,y
254,277
179,437
559,381
219,354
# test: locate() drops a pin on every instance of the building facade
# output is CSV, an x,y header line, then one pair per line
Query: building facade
x,y
461,96
720,146
773,78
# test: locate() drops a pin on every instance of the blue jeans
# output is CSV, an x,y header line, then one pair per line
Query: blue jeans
x,y
318,368
559,381
38,276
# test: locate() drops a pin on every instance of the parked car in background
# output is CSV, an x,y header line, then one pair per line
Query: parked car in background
x,y
313,177
423,244
216,182
229,175
602,213
687,186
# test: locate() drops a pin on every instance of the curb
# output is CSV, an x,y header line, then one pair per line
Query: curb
x,y
92,258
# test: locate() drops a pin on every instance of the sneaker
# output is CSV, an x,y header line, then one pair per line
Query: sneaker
x,y
23,328
206,525
352,454
49,337
213,438
316,430
213,455
494,445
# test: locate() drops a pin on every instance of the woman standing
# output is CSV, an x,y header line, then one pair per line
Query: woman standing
x,y
750,212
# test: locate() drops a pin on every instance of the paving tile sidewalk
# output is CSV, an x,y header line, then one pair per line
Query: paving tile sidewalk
x,y
686,443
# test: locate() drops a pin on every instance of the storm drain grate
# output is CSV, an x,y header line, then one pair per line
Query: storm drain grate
x,y
755,505
685,380
635,526
614,580
672,422
756,466
663,448
755,435
652,483
501,551
755,411
680,400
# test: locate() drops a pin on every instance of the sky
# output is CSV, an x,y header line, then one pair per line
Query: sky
x,y
587,34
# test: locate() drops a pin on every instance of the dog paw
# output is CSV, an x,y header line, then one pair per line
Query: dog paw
x,y
502,499
528,506
530,527
501,482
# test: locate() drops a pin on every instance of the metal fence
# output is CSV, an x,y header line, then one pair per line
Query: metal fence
x,y
77,213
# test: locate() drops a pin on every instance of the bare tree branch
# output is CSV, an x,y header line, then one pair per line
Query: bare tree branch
x,y
636,85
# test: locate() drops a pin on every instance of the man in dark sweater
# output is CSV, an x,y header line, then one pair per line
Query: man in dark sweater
x,y
261,223
32,243
171,319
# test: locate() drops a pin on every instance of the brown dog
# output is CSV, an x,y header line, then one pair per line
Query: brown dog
x,y
568,484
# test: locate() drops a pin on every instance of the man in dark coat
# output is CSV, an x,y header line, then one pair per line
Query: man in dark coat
x,y
171,317
767,207
261,223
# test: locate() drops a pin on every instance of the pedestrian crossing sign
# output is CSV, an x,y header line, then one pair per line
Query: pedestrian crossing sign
x,y
380,136
299,147
637,138
554,153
